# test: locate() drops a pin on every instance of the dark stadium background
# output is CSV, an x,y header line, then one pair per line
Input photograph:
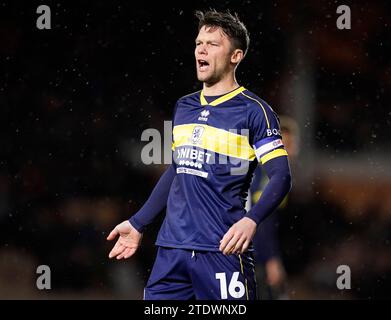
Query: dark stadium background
x,y
75,99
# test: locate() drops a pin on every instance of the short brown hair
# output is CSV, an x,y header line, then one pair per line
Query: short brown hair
x,y
229,23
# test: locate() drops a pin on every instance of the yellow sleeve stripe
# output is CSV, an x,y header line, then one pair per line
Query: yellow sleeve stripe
x,y
273,154
263,108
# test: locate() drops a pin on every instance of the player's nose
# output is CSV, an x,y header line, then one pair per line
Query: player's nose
x,y
201,50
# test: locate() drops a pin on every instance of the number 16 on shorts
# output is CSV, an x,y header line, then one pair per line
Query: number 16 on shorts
x,y
235,288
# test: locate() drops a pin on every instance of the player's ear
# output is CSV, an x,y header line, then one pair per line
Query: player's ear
x,y
236,56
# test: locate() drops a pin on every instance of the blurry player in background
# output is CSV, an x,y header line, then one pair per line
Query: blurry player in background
x,y
219,135
269,267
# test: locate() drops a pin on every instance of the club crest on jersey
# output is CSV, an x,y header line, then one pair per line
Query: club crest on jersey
x,y
197,134
204,115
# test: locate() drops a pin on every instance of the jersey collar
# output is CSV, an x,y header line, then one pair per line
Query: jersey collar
x,y
222,99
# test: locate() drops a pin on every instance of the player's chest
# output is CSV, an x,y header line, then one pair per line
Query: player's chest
x,y
225,118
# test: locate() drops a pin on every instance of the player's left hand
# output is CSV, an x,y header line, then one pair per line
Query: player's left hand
x,y
238,237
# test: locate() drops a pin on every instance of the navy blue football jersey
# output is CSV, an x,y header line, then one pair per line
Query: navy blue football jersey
x,y
217,143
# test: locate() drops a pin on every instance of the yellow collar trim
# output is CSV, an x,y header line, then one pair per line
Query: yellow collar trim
x,y
222,99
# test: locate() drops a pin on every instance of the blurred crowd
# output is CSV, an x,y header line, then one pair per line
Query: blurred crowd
x,y
75,100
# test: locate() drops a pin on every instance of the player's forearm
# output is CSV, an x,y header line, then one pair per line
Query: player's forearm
x,y
156,202
277,188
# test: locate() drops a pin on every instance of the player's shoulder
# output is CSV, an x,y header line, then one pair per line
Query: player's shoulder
x,y
255,103
192,97
258,108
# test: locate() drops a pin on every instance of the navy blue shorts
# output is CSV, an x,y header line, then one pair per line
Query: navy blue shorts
x,y
180,274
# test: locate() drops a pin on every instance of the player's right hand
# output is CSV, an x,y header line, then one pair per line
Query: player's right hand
x,y
128,242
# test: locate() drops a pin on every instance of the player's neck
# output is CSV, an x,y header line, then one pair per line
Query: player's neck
x,y
221,87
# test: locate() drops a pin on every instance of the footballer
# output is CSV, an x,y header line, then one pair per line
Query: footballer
x,y
220,134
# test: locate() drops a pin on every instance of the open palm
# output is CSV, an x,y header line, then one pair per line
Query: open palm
x,y
128,241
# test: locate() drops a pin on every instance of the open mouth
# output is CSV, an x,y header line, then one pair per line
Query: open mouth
x,y
203,64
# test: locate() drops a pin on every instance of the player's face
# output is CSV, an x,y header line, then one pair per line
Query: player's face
x,y
213,54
